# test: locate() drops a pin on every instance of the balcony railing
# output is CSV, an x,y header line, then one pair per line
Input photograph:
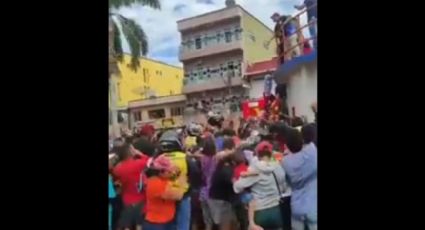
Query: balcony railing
x,y
305,45
215,48
199,84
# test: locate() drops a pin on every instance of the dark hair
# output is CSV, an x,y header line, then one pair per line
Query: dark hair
x,y
144,146
239,157
199,140
129,139
218,133
215,121
123,152
279,128
150,172
294,140
228,143
226,160
229,132
309,133
208,145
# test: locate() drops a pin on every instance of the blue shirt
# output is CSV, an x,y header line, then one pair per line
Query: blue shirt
x,y
290,28
219,143
301,171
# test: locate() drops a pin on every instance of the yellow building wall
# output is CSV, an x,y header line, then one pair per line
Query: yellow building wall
x,y
255,51
153,75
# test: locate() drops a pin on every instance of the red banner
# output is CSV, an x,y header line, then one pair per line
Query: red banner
x,y
253,108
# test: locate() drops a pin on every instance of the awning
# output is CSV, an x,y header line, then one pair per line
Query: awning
x,y
283,71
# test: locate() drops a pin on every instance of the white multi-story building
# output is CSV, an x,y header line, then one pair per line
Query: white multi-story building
x,y
214,49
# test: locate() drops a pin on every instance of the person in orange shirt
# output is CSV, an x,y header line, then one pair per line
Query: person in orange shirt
x,y
162,194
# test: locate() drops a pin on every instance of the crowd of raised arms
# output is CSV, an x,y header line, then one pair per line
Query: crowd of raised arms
x,y
209,176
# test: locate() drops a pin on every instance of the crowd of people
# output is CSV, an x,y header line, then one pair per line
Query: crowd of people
x,y
261,176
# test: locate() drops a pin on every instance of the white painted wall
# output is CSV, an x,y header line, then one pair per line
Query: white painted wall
x,y
302,90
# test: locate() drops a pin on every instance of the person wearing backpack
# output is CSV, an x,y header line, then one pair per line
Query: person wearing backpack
x,y
171,147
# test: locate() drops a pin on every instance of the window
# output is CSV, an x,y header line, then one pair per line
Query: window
x,y
176,111
206,39
238,32
228,36
137,116
221,69
218,37
200,72
230,65
198,43
189,45
156,114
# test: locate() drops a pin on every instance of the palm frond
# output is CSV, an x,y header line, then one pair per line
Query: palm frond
x,y
136,39
118,51
115,4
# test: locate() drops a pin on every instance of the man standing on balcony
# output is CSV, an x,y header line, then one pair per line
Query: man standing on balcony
x,y
311,6
279,34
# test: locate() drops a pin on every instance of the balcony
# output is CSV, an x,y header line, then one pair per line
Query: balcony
x,y
185,55
297,44
199,85
301,52
208,18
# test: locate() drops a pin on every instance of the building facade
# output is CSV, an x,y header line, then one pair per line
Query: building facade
x,y
152,79
215,48
160,112
300,77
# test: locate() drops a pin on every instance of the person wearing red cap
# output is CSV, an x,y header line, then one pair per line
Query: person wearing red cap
x,y
147,131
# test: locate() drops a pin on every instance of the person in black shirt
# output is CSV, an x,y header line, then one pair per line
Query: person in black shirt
x,y
221,192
